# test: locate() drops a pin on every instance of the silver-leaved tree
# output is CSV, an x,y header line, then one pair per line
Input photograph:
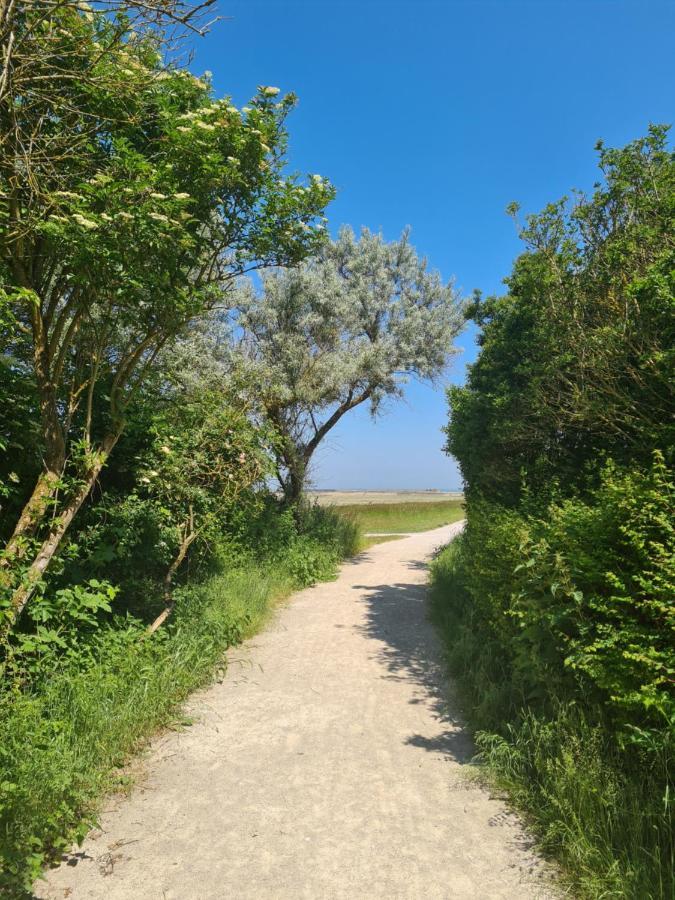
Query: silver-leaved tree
x,y
349,326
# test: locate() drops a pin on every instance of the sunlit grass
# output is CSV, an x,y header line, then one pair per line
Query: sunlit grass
x,y
373,539
67,737
595,806
403,518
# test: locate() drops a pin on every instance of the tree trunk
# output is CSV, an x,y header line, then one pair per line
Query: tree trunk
x,y
47,484
53,540
293,484
295,458
189,535
31,516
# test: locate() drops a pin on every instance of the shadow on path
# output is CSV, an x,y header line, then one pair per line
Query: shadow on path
x,y
397,618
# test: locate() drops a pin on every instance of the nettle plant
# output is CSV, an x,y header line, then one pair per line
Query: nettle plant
x,y
165,196
64,626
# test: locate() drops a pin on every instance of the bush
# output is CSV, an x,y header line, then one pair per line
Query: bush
x,y
594,592
553,701
557,603
78,702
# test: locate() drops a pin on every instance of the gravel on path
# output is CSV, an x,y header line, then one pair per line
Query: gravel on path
x,y
329,763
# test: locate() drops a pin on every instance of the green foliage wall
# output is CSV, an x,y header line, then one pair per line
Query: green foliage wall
x,y
560,595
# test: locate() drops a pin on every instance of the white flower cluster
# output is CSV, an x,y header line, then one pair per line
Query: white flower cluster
x,y
89,224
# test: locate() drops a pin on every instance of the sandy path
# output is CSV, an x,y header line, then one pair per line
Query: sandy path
x,y
325,765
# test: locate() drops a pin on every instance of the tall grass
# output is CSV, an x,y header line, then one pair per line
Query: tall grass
x,y
603,810
405,517
65,737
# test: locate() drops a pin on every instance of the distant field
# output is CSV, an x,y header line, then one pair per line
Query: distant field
x,y
370,541
354,498
403,517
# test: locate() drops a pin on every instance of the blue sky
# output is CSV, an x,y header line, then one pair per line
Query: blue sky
x,y
436,115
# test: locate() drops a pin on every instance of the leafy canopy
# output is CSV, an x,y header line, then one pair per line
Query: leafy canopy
x,y
578,357
349,326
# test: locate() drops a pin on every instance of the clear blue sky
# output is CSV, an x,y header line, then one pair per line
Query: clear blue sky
x,y
436,115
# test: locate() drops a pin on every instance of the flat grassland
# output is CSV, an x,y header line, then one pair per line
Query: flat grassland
x,y
404,517
373,539
370,498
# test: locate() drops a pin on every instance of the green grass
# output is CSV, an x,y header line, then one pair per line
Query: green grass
x,y
403,517
602,810
367,542
63,745
66,738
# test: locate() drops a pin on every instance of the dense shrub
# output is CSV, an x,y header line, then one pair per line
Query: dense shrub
x,y
86,686
557,602
594,592
598,799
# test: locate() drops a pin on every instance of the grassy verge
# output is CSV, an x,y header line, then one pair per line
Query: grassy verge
x,y
600,809
66,737
403,517
372,540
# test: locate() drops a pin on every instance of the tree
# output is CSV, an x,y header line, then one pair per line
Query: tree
x,y
54,62
348,327
25,57
577,359
201,472
565,435
108,252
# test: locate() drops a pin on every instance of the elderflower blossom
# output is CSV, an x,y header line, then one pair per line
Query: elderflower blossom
x,y
206,126
269,91
181,196
84,222
158,217
157,196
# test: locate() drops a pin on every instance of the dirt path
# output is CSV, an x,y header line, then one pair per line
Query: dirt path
x,y
327,764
